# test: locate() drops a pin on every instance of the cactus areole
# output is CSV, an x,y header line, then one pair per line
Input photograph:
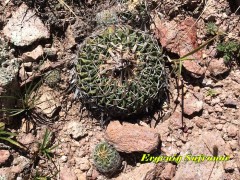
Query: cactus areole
x,y
120,72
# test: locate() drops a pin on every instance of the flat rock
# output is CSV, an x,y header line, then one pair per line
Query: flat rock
x,y
6,173
202,144
232,130
129,138
176,120
180,37
168,172
47,101
217,67
4,156
33,55
230,102
76,129
20,163
145,171
192,104
67,174
24,27
8,72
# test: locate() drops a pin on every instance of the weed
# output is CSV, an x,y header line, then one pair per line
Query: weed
x,y
8,136
45,152
46,147
212,29
230,50
211,93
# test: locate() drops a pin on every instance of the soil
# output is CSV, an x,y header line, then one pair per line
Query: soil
x,y
178,121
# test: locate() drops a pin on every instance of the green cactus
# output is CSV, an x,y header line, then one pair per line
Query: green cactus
x,y
52,78
120,72
106,159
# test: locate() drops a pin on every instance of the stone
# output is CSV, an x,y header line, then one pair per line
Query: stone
x,y
8,72
6,173
219,127
168,172
8,83
217,67
230,102
20,163
67,174
200,122
232,130
180,38
84,163
129,138
23,74
145,171
163,129
202,144
33,55
70,40
63,159
26,139
192,104
4,156
50,52
76,129
230,165
24,27
47,101
176,120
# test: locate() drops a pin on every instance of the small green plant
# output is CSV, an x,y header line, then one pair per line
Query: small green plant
x,y
230,50
211,93
52,78
8,136
38,176
46,146
212,29
106,158
25,102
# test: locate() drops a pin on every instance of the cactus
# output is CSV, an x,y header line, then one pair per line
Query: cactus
x,y
120,72
106,159
52,78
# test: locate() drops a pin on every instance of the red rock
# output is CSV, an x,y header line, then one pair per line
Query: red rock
x,y
217,67
232,130
168,171
200,122
192,104
4,155
176,120
67,174
26,139
180,38
129,138
33,55
145,171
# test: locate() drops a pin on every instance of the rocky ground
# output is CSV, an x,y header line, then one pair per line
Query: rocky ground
x,y
200,116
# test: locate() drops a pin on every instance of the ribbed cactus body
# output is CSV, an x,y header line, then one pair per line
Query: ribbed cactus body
x,y
106,158
120,71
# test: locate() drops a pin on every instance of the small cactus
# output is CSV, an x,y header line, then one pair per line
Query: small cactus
x,y
106,159
52,78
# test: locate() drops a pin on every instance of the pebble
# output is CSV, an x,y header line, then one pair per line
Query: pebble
x,y
4,156
232,130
